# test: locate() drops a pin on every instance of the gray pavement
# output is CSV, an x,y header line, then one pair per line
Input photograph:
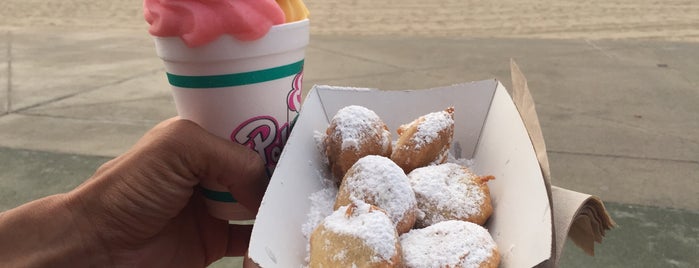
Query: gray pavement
x,y
620,117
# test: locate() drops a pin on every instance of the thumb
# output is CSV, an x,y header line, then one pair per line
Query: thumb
x,y
238,168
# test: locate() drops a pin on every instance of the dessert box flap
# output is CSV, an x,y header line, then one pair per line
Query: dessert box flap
x,y
488,129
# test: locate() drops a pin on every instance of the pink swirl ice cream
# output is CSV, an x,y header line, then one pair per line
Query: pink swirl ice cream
x,y
199,22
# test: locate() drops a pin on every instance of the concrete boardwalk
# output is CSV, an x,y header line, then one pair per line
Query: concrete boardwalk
x,y
620,117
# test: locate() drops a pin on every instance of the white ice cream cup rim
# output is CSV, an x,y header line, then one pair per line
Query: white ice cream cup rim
x,y
293,36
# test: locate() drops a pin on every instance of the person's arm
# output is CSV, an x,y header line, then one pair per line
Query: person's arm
x,y
47,232
141,209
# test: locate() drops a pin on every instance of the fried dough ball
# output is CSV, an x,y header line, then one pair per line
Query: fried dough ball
x,y
424,141
378,181
450,192
358,235
450,244
354,132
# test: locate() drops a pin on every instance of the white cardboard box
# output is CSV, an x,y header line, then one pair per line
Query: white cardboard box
x,y
488,129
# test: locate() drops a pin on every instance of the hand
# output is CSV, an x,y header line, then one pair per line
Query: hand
x,y
143,209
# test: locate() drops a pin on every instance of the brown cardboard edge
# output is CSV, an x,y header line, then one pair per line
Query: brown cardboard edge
x,y
522,98
568,218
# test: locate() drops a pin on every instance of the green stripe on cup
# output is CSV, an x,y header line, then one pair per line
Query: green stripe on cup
x,y
218,196
237,79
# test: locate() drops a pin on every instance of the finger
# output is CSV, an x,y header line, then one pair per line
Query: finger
x,y
238,239
249,263
212,230
232,165
250,191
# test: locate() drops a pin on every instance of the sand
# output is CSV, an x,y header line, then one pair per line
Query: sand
x,y
676,20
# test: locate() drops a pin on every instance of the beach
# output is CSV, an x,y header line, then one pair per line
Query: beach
x,y
673,20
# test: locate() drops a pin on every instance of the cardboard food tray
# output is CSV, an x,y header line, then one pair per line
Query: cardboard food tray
x,y
488,129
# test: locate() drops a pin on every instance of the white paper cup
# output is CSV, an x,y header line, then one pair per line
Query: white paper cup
x,y
248,92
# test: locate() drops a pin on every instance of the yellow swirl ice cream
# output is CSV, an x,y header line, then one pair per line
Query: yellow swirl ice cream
x,y
294,10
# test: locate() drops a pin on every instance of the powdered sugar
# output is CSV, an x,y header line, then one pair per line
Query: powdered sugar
x,y
354,123
319,137
321,206
446,187
430,125
469,163
447,244
380,180
370,225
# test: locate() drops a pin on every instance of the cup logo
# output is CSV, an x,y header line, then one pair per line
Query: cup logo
x,y
293,100
263,135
